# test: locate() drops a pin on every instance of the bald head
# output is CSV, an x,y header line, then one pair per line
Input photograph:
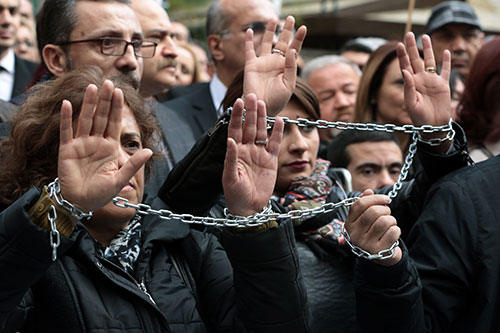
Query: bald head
x,y
227,21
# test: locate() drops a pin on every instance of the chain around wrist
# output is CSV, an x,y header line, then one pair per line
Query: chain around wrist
x,y
359,252
54,190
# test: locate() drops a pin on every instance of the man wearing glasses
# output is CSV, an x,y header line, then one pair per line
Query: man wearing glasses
x,y
72,34
108,34
227,21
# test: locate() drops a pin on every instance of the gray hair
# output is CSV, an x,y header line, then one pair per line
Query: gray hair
x,y
325,61
217,19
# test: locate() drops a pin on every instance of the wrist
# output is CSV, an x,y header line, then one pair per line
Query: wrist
x,y
38,213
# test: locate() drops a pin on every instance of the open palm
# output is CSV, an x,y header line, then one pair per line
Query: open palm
x,y
427,94
250,166
88,168
271,76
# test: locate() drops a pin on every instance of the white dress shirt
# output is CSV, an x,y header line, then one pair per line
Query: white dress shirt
x,y
218,91
7,75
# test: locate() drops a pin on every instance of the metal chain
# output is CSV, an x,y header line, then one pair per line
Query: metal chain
x,y
54,190
340,125
231,220
412,150
381,255
55,237
267,215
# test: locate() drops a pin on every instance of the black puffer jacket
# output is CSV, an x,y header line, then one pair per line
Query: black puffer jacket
x,y
448,279
82,292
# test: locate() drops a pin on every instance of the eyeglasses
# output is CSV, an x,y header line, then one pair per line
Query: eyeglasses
x,y
258,28
118,46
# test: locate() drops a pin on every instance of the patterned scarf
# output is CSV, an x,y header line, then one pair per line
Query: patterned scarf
x,y
124,249
311,192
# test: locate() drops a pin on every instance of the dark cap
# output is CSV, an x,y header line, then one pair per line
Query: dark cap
x,y
451,12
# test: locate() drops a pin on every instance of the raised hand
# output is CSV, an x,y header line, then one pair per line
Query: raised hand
x,y
271,76
427,94
88,168
250,166
372,228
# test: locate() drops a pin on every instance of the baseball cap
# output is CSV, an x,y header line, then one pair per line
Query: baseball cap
x,y
451,12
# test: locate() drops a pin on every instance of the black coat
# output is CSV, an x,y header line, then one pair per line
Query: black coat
x,y
451,282
83,292
196,108
23,74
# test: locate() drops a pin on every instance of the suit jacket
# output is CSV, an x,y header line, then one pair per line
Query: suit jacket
x,y
177,140
179,91
7,111
197,108
23,73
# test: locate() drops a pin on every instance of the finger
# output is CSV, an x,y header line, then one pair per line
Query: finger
x,y
410,92
411,47
298,39
66,125
103,107
391,235
249,47
284,37
230,174
114,125
234,129
380,227
429,59
446,67
261,134
132,166
267,39
87,112
250,126
372,213
273,146
404,60
365,202
366,193
290,72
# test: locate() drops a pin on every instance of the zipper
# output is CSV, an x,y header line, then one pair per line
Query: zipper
x,y
141,285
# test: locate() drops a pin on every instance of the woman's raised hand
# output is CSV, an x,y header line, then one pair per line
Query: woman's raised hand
x,y
251,162
427,93
271,75
88,167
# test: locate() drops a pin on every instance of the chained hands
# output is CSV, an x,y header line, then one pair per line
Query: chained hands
x,y
251,165
427,93
88,167
271,76
372,228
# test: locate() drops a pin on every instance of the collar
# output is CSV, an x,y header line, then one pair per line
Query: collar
x,y
8,61
218,91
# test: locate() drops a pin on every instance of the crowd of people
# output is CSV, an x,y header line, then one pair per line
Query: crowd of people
x,y
154,183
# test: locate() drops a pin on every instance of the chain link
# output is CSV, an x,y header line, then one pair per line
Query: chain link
x,y
232,220
55,237
381,255
341,125
267,214
54,190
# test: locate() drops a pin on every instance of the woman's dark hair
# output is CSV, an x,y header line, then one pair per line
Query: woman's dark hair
x,y
302,94
371,80
33,146
479,109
